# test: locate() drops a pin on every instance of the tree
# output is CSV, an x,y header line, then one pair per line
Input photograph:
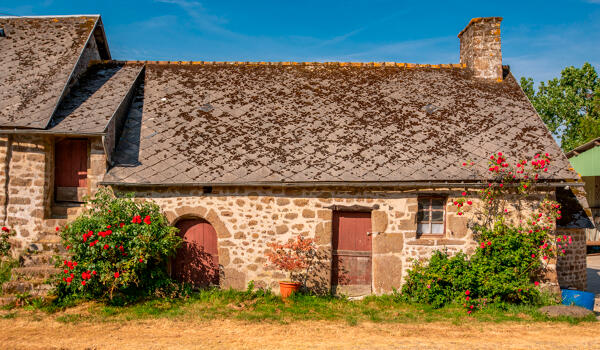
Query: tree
x,y
569,105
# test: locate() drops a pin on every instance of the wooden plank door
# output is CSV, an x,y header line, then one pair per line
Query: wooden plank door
x,y
70,170
351,265
197,259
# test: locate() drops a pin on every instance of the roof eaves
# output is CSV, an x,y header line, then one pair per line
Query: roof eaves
x,y
414,184
586,146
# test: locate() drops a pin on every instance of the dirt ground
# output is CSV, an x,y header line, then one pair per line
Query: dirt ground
x,y
232,334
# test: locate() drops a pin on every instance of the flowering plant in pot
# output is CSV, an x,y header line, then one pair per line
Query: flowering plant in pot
x,y
295,258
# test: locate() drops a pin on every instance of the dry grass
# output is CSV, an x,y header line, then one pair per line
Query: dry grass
x,y
48,333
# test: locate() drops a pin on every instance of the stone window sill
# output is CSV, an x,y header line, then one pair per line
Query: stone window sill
x,y
437,240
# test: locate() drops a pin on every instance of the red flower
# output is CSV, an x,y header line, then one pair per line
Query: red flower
x,y
464,193
57,228
468,298
83,283
94,272
141,260
147,220
68,247
106,246
75,263
467,292
469,312
536,283
469,202
489,243
5,229
66,271
69,279
533,255
108,226
121,225
460,213
117,275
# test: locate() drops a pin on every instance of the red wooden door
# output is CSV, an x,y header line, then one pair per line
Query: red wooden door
x,y
70,169
351,264
197,259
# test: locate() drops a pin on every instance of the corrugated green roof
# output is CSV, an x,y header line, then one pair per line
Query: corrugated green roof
x,y
586,158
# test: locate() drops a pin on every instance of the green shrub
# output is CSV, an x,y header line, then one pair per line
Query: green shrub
x,y
119,248
438,281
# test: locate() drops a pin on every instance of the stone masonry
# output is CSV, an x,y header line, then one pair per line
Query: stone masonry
x,y
480,47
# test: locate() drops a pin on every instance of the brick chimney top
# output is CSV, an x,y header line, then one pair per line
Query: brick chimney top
x,y
480,47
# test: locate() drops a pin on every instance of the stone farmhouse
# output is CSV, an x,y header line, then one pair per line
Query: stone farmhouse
x,y
362,157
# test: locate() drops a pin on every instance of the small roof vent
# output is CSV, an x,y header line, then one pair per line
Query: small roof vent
x,y
430,108
207,107
2,33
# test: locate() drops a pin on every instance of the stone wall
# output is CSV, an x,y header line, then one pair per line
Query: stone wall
x,y
27,184
480,47
572,267
246,219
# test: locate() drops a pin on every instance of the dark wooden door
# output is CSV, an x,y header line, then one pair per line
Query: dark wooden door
x,y
197,259
70,169
351,266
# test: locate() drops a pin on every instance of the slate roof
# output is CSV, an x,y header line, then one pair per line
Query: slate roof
x,y
243,123
93,101
38,55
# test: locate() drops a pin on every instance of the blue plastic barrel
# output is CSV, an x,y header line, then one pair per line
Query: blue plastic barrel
x,y
579,298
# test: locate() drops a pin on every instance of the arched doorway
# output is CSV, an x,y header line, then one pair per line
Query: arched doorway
x,y
197,259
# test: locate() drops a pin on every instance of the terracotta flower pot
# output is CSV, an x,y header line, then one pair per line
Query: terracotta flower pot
x,y
286,288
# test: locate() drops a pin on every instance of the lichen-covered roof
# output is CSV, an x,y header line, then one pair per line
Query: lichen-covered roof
x,y
90,104
37,56
240,123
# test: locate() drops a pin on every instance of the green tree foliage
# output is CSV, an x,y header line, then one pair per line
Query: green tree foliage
x,y
569,105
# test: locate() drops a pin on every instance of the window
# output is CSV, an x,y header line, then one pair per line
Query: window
x,y
430,217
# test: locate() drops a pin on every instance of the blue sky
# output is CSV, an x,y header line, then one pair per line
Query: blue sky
x,y
539,38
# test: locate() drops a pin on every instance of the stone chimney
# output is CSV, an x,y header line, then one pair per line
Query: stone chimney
x,y
480,48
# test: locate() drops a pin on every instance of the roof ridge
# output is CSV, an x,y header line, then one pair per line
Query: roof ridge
x,y
288,63
50,16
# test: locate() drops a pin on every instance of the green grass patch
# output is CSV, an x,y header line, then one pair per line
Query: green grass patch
x,y
261,306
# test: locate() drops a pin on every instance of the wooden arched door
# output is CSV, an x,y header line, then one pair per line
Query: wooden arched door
x,y
197,259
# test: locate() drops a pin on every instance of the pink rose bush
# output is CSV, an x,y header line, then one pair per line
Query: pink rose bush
x,y
515,245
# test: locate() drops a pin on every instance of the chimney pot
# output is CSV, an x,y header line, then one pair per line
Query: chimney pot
x,y
480,47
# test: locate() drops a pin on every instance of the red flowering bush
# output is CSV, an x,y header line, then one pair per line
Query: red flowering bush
x,y
5,234
117,246
515,243
294,257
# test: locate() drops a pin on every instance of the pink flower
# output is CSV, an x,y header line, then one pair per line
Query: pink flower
x,y
536,283
464,193
428,286
533,255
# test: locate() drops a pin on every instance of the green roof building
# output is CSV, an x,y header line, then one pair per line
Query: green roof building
x,y
586,161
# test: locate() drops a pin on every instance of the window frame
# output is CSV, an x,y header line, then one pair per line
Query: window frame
x,y
430,198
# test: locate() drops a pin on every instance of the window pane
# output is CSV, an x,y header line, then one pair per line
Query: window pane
x,y
423,228
437,203
437,216
437,228
423,204
423,216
